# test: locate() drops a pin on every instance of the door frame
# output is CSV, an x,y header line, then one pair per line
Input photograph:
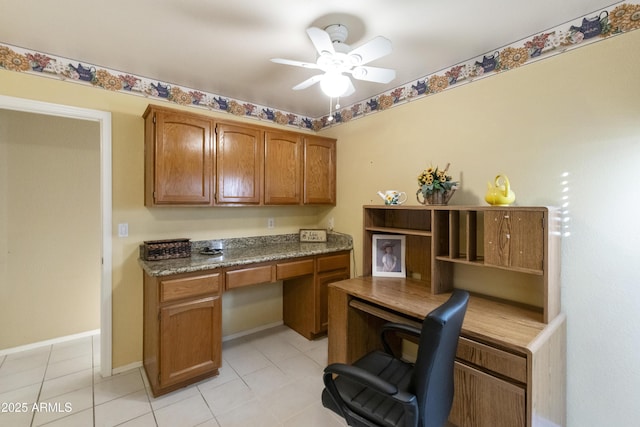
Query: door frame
x,y
104,120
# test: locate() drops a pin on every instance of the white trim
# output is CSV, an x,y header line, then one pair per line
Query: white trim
x,y
49,342
125,368
252,331
104,119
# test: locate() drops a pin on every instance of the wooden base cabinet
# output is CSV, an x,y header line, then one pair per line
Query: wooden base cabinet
x,y
182,329
510,368
329,269
304,295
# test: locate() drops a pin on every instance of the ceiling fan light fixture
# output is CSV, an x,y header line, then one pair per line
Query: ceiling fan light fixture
x,y
334,84
359,72
337,32
355,59
340,63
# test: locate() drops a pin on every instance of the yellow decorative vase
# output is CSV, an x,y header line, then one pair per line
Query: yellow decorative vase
x,y
500,193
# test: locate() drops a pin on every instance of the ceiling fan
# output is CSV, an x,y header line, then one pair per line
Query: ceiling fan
x,y
337,59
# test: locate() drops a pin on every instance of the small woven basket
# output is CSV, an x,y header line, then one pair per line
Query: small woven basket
x,y
435,198
154,250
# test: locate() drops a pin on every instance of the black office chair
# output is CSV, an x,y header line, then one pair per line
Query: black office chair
x,y
382,390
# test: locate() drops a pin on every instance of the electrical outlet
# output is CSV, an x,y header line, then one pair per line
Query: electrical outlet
x,y
271,223
330,224
123,230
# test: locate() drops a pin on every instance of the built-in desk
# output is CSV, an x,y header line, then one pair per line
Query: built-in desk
x,y
510,367
182,298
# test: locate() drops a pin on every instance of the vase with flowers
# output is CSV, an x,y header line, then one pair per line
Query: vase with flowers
x,y
435,186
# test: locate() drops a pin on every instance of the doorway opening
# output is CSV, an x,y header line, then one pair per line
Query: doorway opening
x,y
104,121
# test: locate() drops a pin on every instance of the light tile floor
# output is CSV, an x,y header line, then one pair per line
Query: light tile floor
x,y
271,378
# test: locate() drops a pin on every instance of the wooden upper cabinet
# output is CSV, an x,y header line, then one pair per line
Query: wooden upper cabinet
x,y
195,160
282,168
239,164
319,170
178,158
514,239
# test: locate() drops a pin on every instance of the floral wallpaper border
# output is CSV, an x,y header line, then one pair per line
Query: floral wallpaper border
x,y
617,19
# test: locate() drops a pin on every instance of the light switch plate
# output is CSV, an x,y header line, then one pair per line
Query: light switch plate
x,y
123,230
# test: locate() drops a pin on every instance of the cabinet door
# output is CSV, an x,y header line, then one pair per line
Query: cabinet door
x,y
319,171
330,268
179,155
322,295
514,239
190,339
239,164
481,400
282,168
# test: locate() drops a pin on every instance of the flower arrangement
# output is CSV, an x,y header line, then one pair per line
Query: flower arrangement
x,y
433,179
435,186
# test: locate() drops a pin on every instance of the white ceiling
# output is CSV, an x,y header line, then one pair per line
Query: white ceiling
x,y
224,47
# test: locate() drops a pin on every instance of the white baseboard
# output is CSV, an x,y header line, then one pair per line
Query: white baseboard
x,y
252,331
138,364
52,341
125,368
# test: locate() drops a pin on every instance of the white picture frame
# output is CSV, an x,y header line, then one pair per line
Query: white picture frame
x,y
388,255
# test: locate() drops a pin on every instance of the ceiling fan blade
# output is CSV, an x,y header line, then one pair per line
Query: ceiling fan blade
x,y
321,40
295,63
372,50
350,89
309,82
374,74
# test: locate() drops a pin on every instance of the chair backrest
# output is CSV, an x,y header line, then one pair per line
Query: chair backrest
x,y
433,374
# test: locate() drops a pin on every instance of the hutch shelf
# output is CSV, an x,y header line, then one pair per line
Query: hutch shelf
x,y
521,240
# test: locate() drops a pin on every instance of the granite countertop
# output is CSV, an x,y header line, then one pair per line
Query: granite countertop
x,y
246,250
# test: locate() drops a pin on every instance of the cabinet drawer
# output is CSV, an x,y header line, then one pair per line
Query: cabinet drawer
x,y
249,276
184,287
492,359
333,262
287,270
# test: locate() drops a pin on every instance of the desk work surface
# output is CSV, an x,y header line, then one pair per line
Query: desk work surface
x,y
498,323
247,250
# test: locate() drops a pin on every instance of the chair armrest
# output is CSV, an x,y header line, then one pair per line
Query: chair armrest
x,y
360,376
369,380
402,328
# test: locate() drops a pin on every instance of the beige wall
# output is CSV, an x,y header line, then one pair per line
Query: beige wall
x,y
577,112
50,257
242,310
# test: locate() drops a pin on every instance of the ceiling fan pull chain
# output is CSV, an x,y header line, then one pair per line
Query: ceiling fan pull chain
x,y
330,118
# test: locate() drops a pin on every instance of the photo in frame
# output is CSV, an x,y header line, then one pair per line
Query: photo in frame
x,y
388,255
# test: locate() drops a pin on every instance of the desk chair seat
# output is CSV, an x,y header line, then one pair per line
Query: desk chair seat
x,y
380,389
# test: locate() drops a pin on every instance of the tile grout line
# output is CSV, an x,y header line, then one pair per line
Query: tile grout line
x,y
274,359
146,392
44,375
93,383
